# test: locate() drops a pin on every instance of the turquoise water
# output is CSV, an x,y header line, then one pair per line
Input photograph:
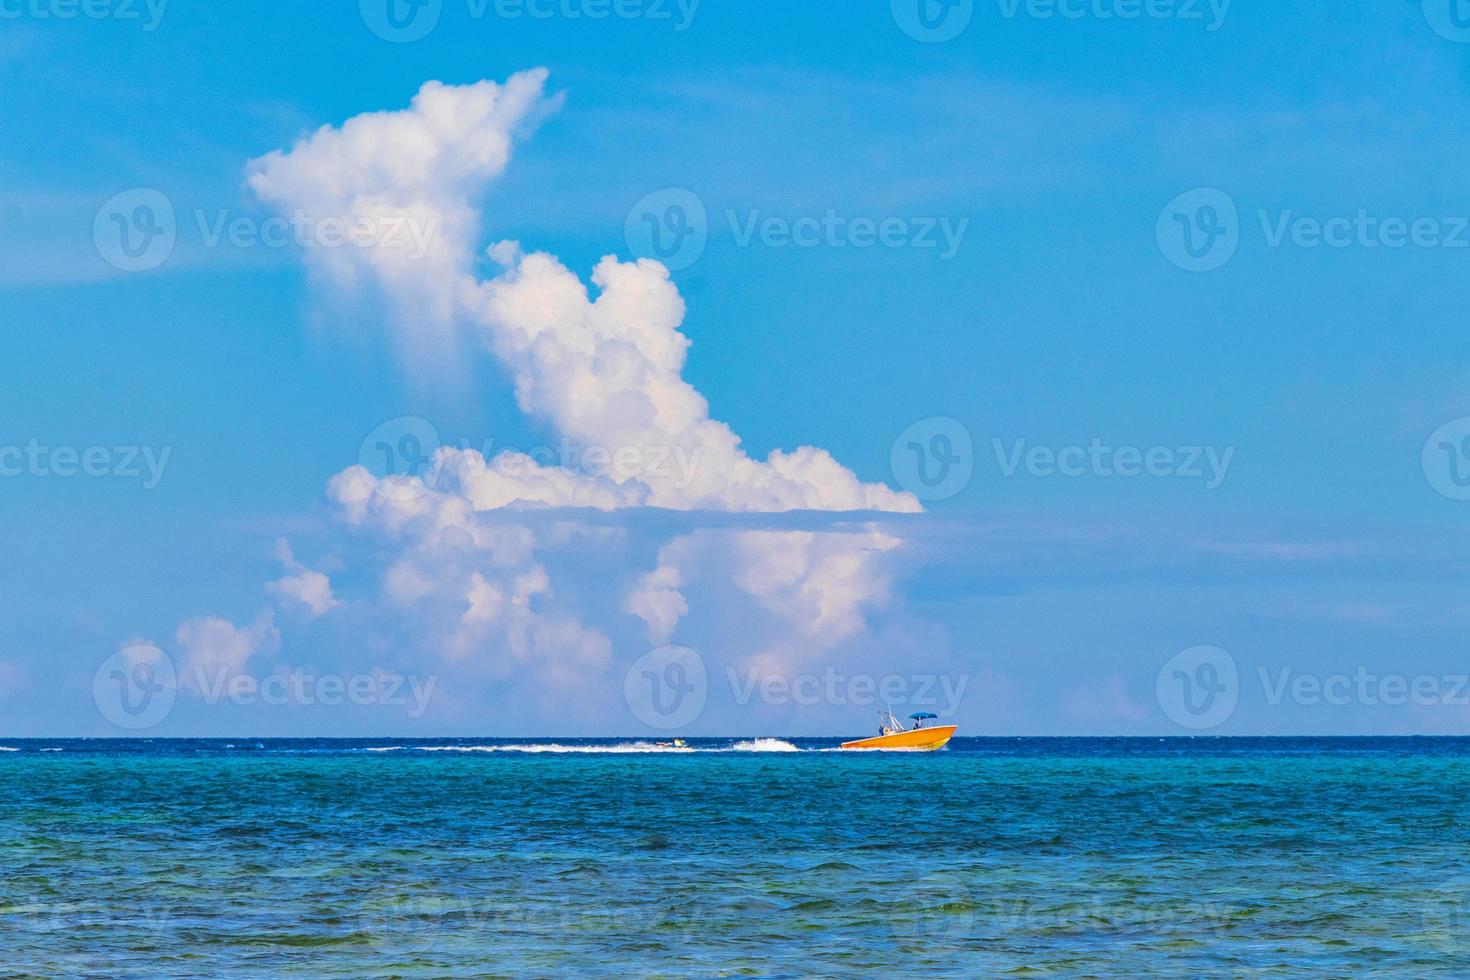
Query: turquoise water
x,y
1022,857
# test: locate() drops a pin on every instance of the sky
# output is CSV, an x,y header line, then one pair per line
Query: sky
x,y
1075,368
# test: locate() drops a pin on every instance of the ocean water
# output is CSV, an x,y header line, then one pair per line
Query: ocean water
x,y
763,858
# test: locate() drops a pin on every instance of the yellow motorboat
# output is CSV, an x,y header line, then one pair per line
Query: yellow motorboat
x,y
919,738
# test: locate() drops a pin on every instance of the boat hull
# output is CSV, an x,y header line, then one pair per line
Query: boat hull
x,y
914,740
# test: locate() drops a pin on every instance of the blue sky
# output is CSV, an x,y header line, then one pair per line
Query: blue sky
x,y
1061,317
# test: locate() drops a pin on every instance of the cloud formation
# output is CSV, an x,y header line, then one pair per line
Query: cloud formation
x,y
602,367
306,586
603,371
213,646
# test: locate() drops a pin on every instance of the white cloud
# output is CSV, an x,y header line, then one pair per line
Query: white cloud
x,y
405,174
485,601
601,367
822,584
311,588
657,600
603,371
212,645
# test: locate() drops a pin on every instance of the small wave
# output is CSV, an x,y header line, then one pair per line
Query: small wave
x,y
53,750
617,748
620,748
529,747
764,745
7,748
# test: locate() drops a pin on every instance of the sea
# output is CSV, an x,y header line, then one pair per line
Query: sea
x,y
748,857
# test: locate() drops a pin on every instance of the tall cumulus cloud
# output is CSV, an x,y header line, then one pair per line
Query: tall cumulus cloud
x,y
598,363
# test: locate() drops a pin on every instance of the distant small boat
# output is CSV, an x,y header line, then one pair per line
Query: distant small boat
x,y
893,735
677,743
